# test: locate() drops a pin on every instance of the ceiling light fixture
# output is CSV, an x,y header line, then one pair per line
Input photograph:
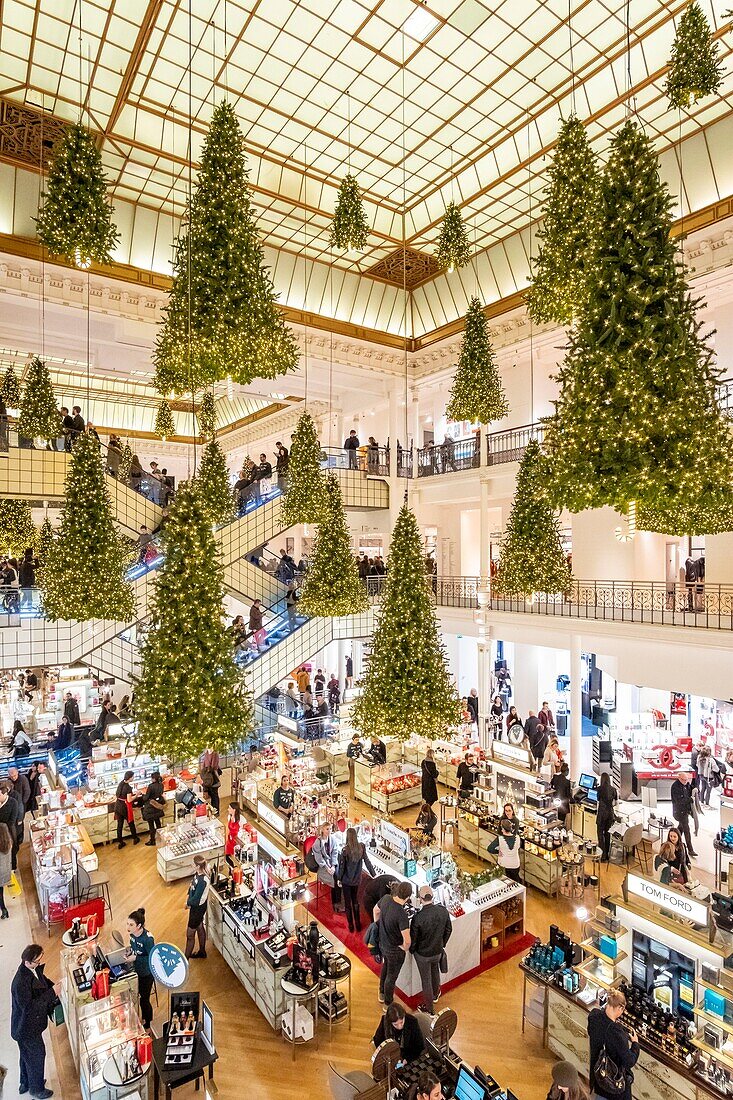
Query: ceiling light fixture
x,y
420,23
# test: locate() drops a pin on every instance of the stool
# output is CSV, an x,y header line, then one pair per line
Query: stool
x,y
645,852
452,824
295,995
99,880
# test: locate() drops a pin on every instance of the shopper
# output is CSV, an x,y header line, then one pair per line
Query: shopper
x,y
124,812
430,931
6,866
562,787
83,743
607,1035
319,683
605,816
553,755
281,466
352,860
333,692
427,1087
326,854
141,944
210,772
547,718
536,738
399,1024
394,938
234,815
33,998
291,605
351,444
707,768
153,807
9,818
681,795
64,735
34,782
377,751
21,790
21,742
374,891
566,1084
429,781
472,704
197,904
506,847
349,680
664,861
466,774
256,629
681,861
71,709
426,820
513,719
496,718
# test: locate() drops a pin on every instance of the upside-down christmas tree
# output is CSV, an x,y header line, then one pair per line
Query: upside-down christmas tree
x,y
332,585
304,496
407,687
190,694
637,418
212,482
477,393
17,530
39,417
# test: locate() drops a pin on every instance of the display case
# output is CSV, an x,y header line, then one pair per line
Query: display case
x,y
112,1041
477,829
78,966
387,787
178,844
448,752
58,844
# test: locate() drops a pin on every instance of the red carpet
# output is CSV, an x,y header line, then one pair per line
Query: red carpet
x,y
322,910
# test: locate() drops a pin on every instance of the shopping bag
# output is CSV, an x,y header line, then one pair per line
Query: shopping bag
x,y
56,1015
14,887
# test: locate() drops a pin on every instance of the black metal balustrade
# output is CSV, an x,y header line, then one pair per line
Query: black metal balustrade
x,y
449,457
510,445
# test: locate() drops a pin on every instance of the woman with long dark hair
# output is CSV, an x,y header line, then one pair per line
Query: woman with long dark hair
x,y
352,860
141,944
605,816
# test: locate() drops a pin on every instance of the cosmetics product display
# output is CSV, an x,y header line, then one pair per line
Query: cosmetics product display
x,y
178,844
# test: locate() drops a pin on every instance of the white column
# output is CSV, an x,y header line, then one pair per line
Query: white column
x,y
576,706
483,454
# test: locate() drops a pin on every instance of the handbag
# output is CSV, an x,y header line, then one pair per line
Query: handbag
x,y
443,964
610,1079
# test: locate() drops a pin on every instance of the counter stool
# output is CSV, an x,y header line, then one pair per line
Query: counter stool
x,y
295,995
99,881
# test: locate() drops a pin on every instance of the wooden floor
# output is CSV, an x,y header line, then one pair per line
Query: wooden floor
x,y
254,1061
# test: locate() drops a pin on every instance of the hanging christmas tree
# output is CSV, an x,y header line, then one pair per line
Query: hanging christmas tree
x,y
190,695
568,232
165,425
477,393
236,327
304,497
695,68
532,558
76,218
10,389
212,482
125,467
453,250
39,418
350,227
84,577
332,586
17,530
207,417
697,518
46,536
625,425
407,688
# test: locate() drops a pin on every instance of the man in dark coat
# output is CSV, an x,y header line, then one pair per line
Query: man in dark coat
x,y
33,997
71,709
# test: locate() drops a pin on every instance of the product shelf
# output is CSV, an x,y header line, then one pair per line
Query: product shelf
x,y
591,948
712,1019
725,1059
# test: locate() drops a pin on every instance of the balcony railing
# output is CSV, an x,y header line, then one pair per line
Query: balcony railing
x,y
510,445
449,457
368,459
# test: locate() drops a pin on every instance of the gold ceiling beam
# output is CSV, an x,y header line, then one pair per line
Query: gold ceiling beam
x,y
133,62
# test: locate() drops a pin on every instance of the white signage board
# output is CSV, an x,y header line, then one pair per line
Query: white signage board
x,y
674,901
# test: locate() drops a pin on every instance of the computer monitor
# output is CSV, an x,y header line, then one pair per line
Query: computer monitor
x,y
591,796
587,782
468,1087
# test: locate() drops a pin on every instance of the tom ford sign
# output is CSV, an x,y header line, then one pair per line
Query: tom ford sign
x,y
674,901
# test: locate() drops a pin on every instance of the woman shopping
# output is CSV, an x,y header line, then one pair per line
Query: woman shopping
x,y
429,781
124,813
141,944
507,847
197,901
353,859
605,816
153,806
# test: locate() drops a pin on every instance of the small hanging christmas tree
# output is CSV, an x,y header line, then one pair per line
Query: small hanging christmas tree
x,y
569,228
207,417
46,537
624,426
236,327
695,68
165,425
477,393
125,467
10,389
407,688
532,558
453,250
212,482
39,418
304,498
190,695
17,530
84,576
350,227
332,586
76,218
696,519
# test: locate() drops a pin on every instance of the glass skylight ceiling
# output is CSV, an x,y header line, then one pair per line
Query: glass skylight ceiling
x,y
471,115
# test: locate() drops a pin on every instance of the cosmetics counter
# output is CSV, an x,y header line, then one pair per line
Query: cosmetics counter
x,y
87,969
448,752
59,843
487,910
178,844
388,788
113,1047
671,953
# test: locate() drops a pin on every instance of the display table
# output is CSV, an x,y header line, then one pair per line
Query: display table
x,y
178,844
109,1030
387,787
201,1065
297,998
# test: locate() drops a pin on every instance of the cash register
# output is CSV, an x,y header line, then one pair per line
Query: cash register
x,y
586,793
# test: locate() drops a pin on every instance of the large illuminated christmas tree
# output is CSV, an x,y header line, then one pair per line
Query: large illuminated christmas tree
x,y
17,530
637,418
190,695
84,575
407,688
477,393
221,285
39,416
304,496
332,585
